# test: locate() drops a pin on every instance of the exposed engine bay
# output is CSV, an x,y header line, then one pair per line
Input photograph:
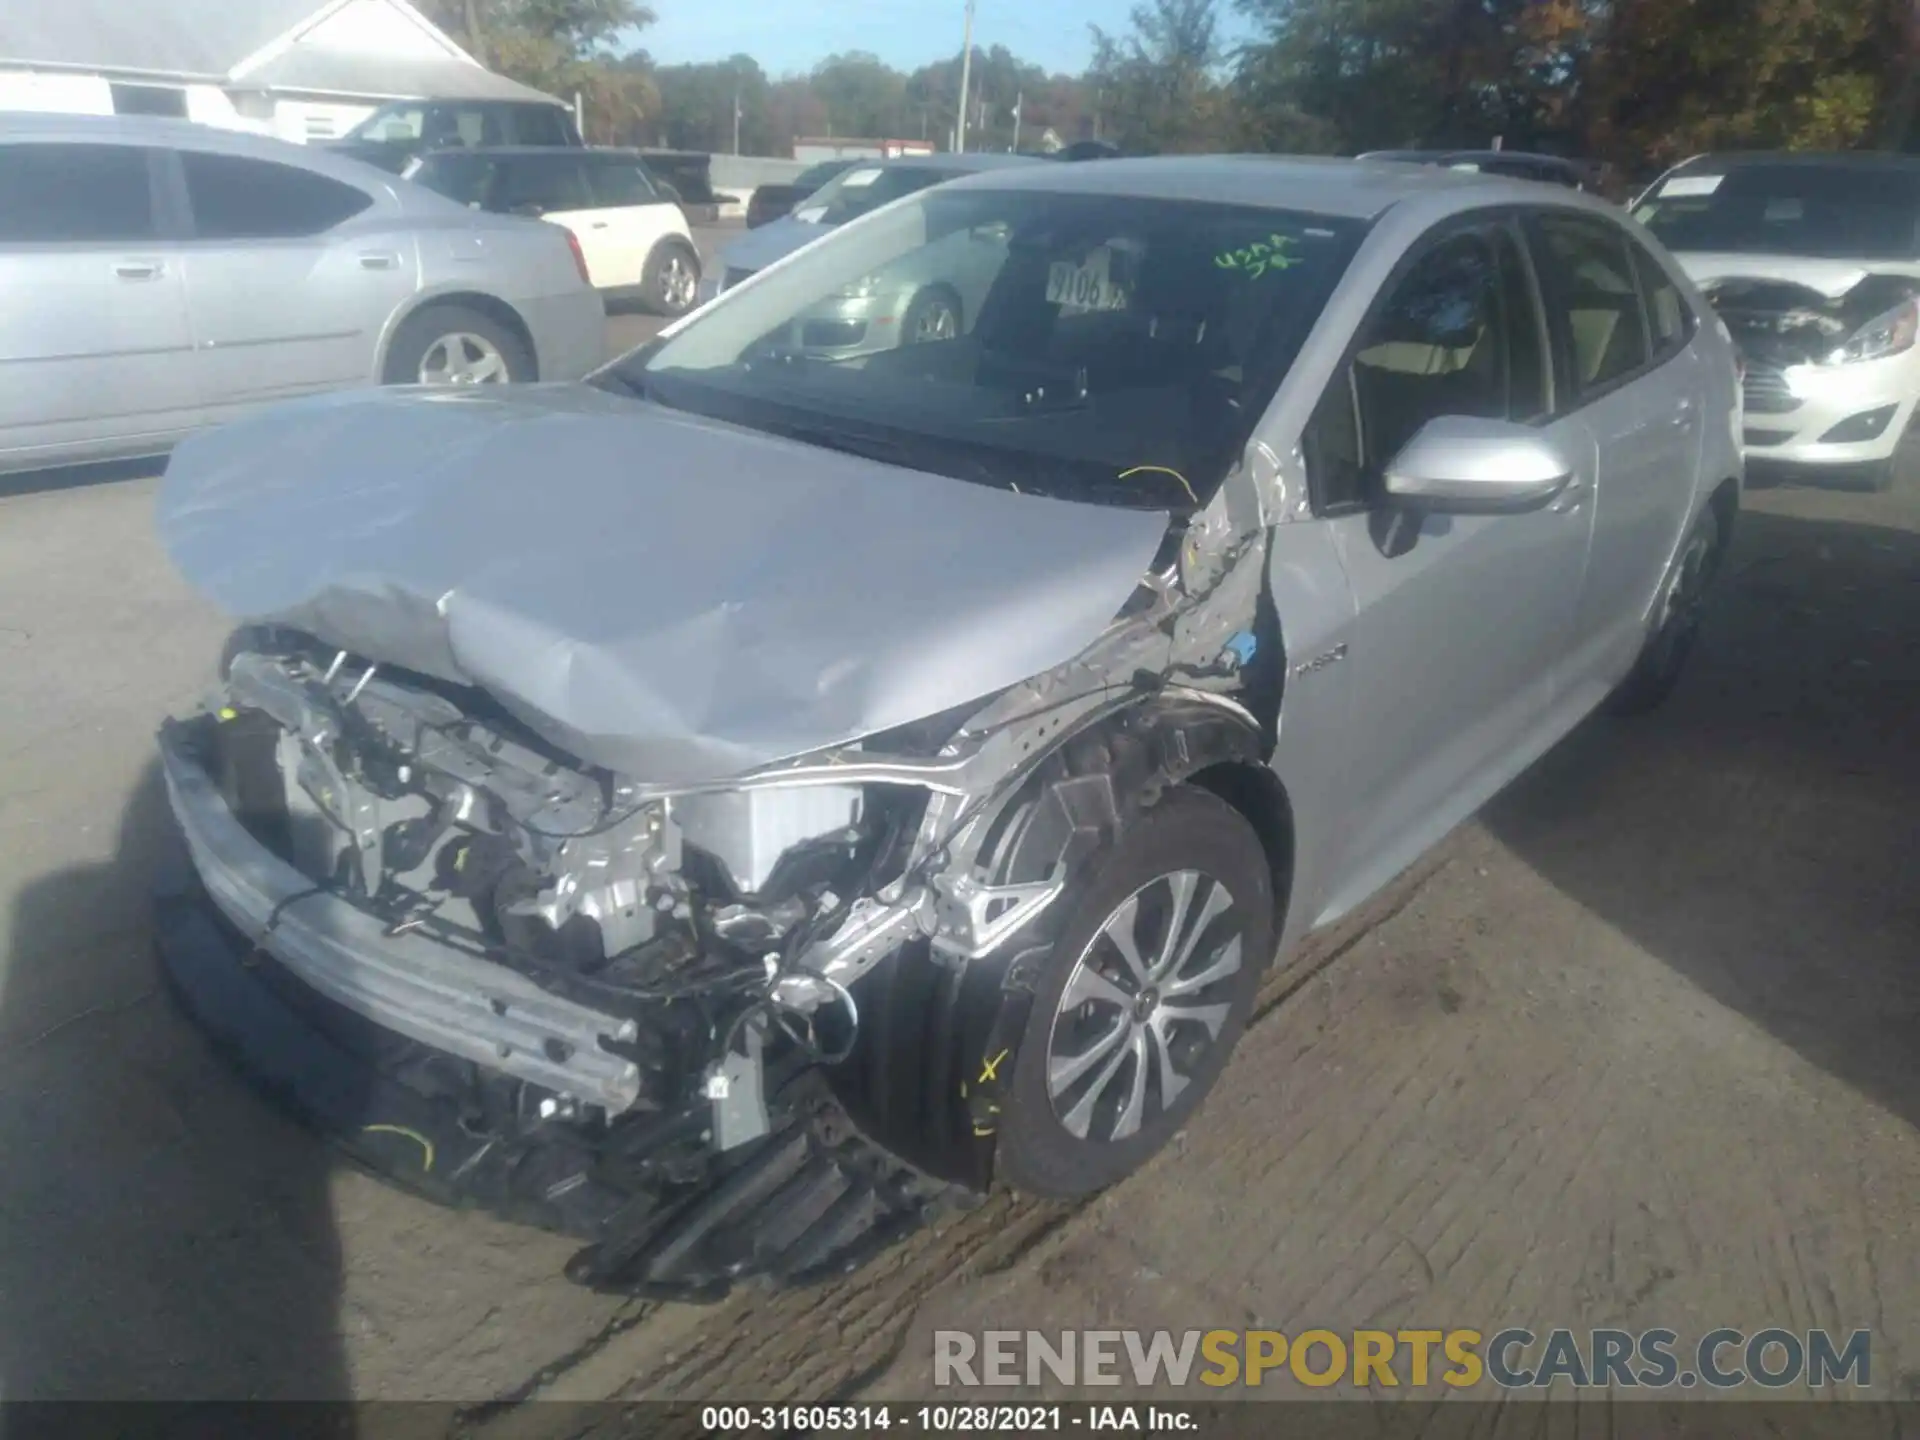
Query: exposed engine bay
x,y
1778,324
685,988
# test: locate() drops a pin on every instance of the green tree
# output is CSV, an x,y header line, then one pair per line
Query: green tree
x,y
1158,87
864,97
1676,77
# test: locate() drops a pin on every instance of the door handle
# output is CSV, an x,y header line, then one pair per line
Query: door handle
x,y
1571,498
375,260
139,269
598,225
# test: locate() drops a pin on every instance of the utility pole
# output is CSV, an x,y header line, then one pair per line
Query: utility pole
x,y
966,81
736,112
1019,104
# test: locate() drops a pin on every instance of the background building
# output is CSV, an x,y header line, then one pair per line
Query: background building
x,y
299,69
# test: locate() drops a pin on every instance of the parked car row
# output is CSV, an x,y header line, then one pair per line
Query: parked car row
x,y
727,809
163,276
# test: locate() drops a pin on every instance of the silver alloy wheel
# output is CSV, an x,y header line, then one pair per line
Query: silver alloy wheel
x,y
936,321
463,358
679,282
1143,1007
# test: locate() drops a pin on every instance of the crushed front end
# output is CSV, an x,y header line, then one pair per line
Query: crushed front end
x,y
732,1029
510,980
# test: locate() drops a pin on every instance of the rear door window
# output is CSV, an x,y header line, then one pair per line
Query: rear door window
x,y
1594,296
75,193
235,197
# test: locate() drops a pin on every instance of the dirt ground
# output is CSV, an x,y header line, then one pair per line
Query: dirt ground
x,y
1640,1047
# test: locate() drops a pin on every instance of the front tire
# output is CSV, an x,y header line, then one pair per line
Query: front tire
x,y
454,345
933,316
670,283
1143,998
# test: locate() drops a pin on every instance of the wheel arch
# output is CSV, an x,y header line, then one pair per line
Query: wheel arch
x,y
491,306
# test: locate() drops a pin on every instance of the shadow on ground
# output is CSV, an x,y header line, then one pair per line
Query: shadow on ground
x,y
163,1234
72,477
1761,834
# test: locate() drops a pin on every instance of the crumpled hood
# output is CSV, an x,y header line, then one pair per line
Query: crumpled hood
x,y
1833,279
1785,310
673,598
773,241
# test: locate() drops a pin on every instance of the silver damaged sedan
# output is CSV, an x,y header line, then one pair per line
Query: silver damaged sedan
x,y
728,809
162,276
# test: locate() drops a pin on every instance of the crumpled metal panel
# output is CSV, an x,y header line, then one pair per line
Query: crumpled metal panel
x,y
675,599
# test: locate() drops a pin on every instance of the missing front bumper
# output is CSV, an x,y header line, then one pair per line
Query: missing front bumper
x,y
397,1057
463,1005
661,1212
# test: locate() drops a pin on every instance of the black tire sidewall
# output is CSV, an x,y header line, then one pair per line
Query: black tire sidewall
x,y
1188,830
651,276
1658,670
425,327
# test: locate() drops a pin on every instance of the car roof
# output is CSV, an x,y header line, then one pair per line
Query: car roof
x,y
966,163
170,133
1871,160
1349,189
573,152
1443,157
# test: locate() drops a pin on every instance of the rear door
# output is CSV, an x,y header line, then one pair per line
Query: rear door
x,y
1623,333
288,287
95,349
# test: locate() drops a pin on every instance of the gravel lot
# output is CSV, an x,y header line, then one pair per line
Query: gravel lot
x,y
1640,1047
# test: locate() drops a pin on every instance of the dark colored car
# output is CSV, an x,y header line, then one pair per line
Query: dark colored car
x,y
1520,165
770,202
687,175
398,132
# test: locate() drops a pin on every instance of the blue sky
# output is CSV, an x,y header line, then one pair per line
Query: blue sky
x,y
793,35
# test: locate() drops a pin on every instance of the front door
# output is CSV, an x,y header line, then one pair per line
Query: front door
x,y
95,352
286,298
1460,621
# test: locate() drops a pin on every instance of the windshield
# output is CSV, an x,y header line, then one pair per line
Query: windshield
x,y
866,187
1102,348
403,120
458,177
1831,212
814,176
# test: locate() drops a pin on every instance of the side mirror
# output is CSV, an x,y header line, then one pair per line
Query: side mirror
x,y
530,210
1466,466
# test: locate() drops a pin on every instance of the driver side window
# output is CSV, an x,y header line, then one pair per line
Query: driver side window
x,y
1459,333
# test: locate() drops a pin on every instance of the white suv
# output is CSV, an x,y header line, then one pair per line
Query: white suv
x,y
632,234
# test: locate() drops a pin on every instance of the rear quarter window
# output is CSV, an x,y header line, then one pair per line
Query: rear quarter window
x,y
236,197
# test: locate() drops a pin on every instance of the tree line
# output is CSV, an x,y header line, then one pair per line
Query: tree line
x,y
1639,83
